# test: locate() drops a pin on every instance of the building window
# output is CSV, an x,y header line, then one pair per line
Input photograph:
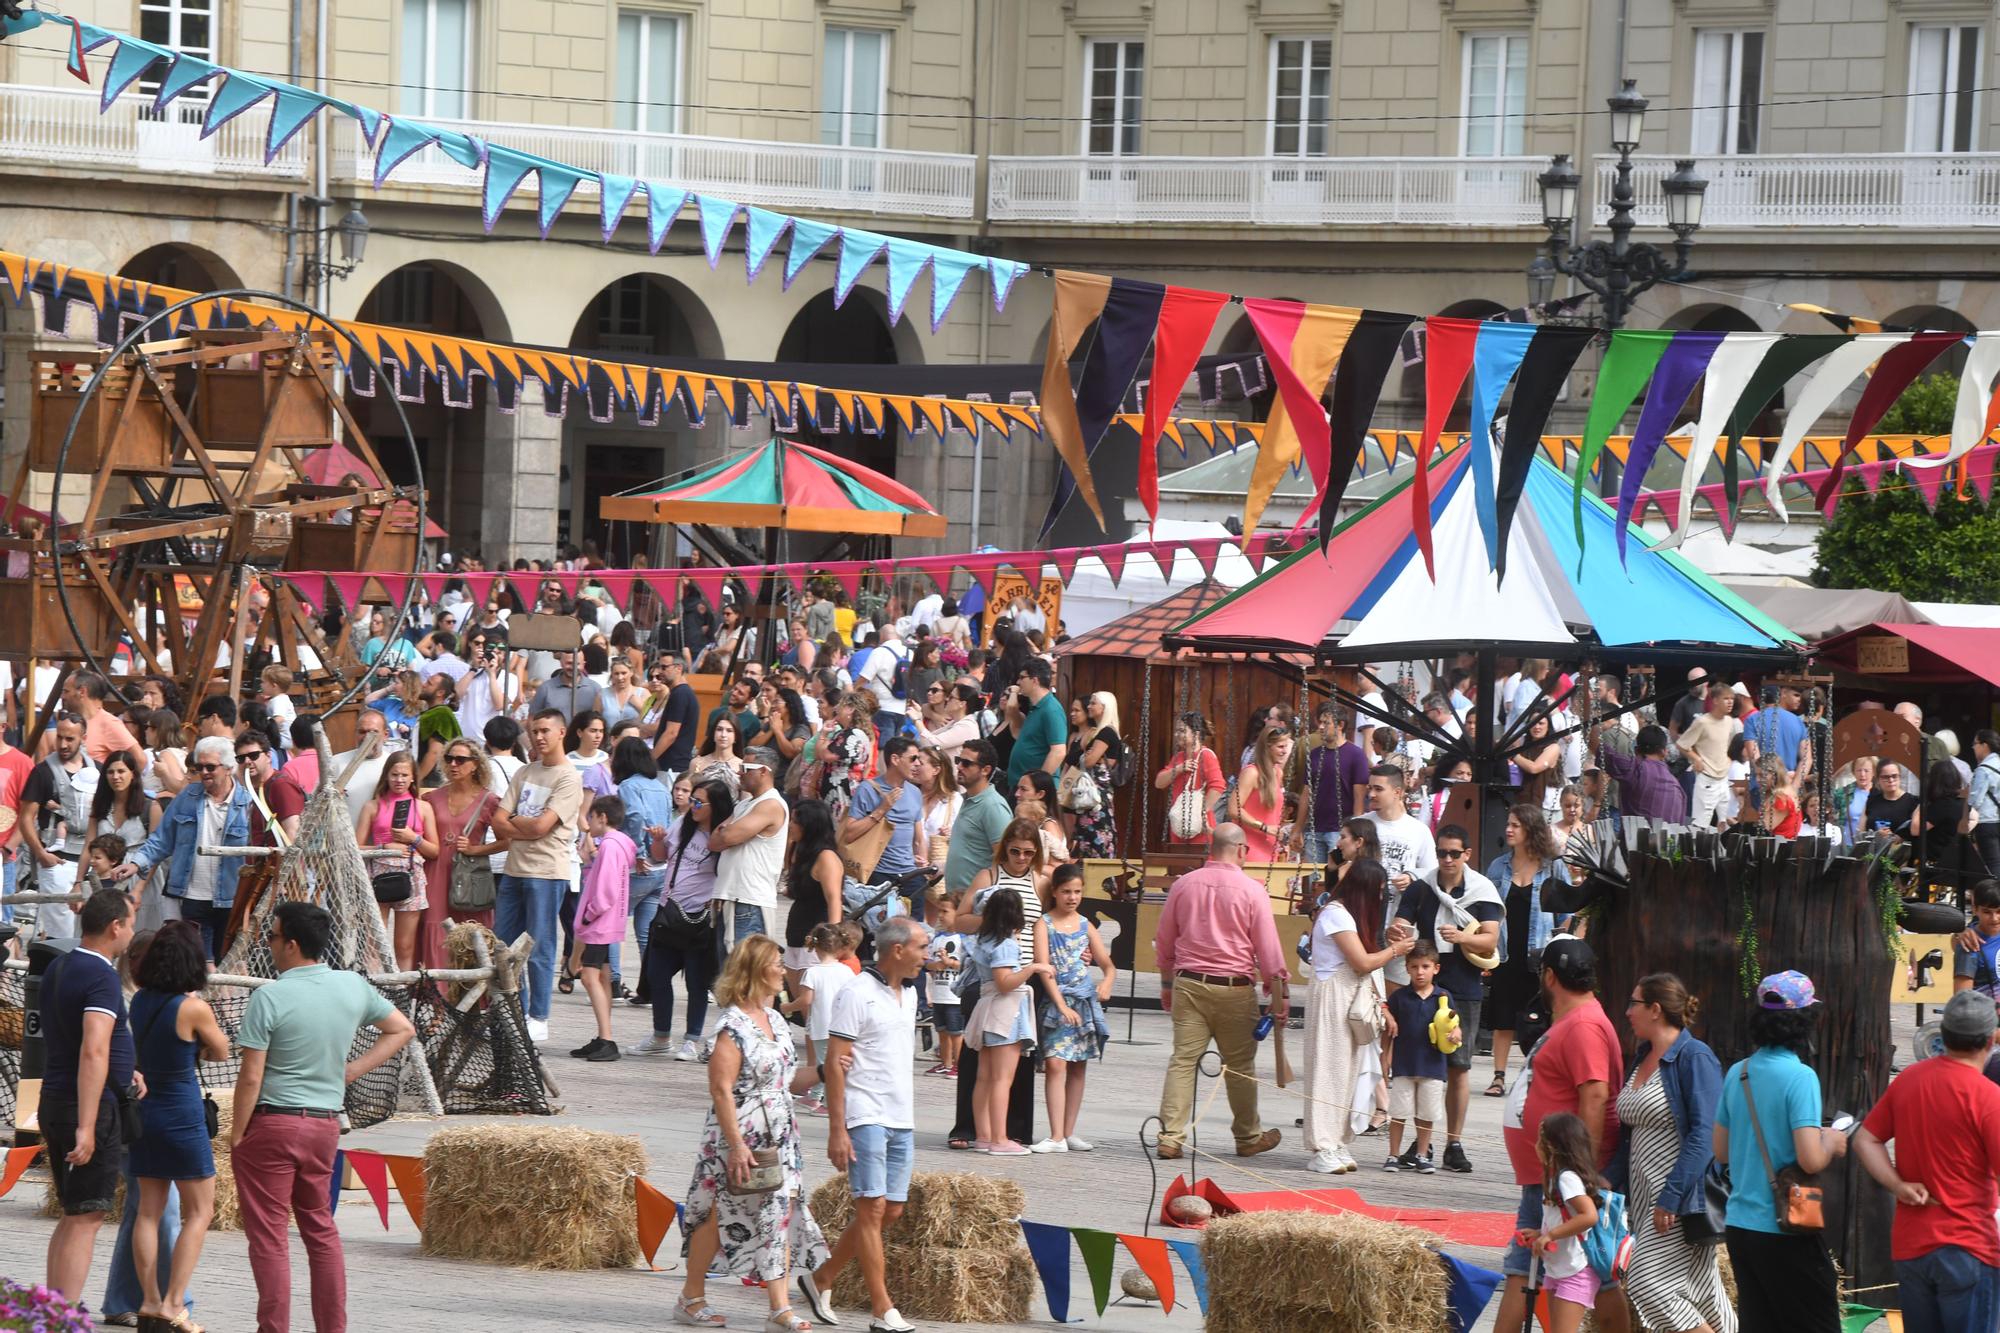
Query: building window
x,y
1301,95
855,86
1496,94
1944,78
1114,91
437,59
1728,87
186,26
407,297
649,72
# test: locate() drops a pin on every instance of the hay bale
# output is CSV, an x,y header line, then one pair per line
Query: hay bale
x,y
533,1197
1284,1270
947,1209
952,1286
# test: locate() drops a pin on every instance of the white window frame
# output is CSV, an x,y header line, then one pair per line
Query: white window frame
x,y
424,86
1714,130
1305,123
637,109
843,108
177,12
1119,122
1945,104
1467,43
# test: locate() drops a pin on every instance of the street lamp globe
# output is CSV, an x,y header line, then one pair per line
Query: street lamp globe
x,y
1685,190
351,232
1559,190
1628,117
1541,280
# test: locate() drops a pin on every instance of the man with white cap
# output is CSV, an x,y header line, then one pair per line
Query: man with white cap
x,y
751,847
1945,1119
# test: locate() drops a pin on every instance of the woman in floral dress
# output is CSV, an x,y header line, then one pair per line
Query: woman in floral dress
x,y
1096,751
750,1078
847,752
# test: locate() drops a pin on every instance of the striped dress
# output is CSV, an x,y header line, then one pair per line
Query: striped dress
x,y
1671,1284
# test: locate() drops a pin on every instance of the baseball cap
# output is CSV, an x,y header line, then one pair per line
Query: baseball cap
x,y
1786,990
1572,962
1740,688
1969,1015
761,756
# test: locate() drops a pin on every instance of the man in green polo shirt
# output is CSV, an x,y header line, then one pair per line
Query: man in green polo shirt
x,y
295,1037
1044,726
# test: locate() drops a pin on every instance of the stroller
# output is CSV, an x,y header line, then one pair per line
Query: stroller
x,y
873,906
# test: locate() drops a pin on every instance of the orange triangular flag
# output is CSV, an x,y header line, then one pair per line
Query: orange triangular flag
x,y
1152,1255
409,1176
17,1162
656,1214
374,1176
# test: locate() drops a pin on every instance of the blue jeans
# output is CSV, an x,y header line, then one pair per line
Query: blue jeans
x,y
121,1285
749,921
1527,1216
209,919
882,1162
645,906
532,905
1319,846
10,874
1947,1291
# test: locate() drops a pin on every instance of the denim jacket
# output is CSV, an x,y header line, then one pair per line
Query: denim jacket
x,y
179,831
1693,1079
1541,925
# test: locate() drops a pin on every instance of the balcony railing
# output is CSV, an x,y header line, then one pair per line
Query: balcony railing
x,y
1920,190
61,126
1268,191
796,177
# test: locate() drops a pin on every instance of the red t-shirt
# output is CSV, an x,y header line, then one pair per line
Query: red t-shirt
x,y
1581,1048
15,766
1206,778
1953,1150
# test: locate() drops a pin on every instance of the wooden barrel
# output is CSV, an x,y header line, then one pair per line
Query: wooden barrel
x,y
1687,917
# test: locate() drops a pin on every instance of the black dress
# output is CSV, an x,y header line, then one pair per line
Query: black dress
x,y
1514,984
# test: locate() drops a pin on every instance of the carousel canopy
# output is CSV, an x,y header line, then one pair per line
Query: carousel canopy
x,y
1370,597
783,484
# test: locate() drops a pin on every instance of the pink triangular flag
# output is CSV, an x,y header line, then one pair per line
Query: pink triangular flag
x,y
302,588
477,586
665,583
1669,505
619,585
848,575
1065,562
1928,480
1206,552
347,587
1254,548
374,1173
527,585
1113,557
1979,466
711,581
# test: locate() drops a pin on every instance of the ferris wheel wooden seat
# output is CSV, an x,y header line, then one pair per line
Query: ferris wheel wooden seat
x,y
107,434
242,397
32,623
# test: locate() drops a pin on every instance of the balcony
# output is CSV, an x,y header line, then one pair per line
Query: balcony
x,y
1268,191
1906,190
794,177
62,127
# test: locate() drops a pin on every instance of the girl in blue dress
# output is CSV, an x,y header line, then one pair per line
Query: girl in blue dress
x,y
1074,1029
1002,1024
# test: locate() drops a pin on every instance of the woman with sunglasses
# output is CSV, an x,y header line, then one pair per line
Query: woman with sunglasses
x,y
461,812
493,687
948,718
1020,869
683,940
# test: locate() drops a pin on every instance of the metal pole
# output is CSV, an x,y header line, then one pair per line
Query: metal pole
x,y
978,469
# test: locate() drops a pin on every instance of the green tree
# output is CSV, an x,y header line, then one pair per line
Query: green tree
x,y
1924,409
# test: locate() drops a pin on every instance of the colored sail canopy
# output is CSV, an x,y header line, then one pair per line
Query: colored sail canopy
x,y
786,485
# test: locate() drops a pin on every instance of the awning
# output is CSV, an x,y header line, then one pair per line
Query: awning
x,y
1917,654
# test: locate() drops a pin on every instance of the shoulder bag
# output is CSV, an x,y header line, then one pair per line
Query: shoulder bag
x,y
472,888
1078,791
1707,1226
1187,816
1796,1195
1365,1021
767,1170
396,881
861,856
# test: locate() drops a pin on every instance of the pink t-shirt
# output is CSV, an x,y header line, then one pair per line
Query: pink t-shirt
x,y
1581,1048
104,735
607,882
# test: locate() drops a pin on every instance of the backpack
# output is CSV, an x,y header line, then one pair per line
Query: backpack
x,y
899,681
1608,1244
1121,767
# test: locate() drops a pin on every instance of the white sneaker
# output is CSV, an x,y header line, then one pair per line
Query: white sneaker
x,y
538,1030
652,1045
892,1322
1326,1163
690,1050
1078,1145
1050,1145
1347,1162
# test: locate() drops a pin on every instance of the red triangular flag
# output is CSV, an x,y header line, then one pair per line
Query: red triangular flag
x,y
1186,317
1113,557
17,1162
1065,562
1151,1254
711,581
656,1215
1448,344
374,1173
76,65
347,587
408,1173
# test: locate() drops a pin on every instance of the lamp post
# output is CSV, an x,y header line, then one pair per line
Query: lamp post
x,y
1619,270
350,236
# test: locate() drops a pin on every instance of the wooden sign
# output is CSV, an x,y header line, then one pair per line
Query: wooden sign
x,y
1879,733
1883,655
1008,586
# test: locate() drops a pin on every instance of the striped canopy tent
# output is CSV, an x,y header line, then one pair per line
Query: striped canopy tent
x,y
1369,597
784,485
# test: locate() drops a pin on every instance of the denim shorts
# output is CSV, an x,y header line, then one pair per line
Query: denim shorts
x,y
1527,1217
883,1159
950,1017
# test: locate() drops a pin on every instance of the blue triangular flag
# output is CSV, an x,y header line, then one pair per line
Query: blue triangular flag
x,y
133,59
761,230
402,138
506,168
948,270
858,249
289,114
1496,355
1467,1290
717,216
1190,1257
558,184
663,205
370,118
906,262
1002,273
613,193
333,1187
1049,1246
186,73
808,239
239,92
463,149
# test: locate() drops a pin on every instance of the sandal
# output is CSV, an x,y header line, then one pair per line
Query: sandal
x,y
1498,1087
183,1323
568,984
959,1145
1376,1120
697,1315
784,1321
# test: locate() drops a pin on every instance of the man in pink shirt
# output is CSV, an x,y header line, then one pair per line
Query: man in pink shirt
x,y
103,734
1216,940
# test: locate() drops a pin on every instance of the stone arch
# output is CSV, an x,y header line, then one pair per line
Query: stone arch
x,y
180,264
856,332
1712,317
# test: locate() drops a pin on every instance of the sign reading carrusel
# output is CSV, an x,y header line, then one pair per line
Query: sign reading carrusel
x,y
1883,655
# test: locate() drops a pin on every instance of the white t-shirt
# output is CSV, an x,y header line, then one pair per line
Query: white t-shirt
x,y
1327,958
945,948
1567,1259
826,981
283,713
882,1024
501,769
748,873
879,675
1407,849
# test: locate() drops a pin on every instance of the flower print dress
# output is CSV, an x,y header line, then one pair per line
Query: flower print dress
x,y
761,1234
1085,1039
1096,831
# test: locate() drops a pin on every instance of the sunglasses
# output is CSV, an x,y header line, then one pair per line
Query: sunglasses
x,y
458,759
1020,851
963,762
208,768
1444,855
245,756
696,803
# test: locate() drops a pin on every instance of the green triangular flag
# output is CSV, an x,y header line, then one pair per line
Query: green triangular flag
x,y
1098,1248
1627,366
1855,1318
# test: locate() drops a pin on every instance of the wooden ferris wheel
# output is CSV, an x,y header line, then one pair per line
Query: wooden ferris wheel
x,y
179,473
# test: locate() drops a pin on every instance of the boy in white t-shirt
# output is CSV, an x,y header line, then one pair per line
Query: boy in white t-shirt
x,y
946,953
835,943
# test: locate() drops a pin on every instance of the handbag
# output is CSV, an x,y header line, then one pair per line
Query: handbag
x,y
1796,1195
767,1170
472,885
1364,1011
861,856
1084,796
395,885
1707,1226
1187,816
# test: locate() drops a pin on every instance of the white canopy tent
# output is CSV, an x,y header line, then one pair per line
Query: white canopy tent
x,y
1091,599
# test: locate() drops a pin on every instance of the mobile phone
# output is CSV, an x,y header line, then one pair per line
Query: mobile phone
x,y
402,815
1842,1123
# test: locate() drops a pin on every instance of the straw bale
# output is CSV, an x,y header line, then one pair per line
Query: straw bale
x,y
1269,1272
535,1197
947,1209
458,950
952,1286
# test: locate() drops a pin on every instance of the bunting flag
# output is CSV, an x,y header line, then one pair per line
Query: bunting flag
x,y
1468,1289
1816,395
1357,387
1792,355
1731,368
1679,368
1978,409
1846,323
339,1174
1113,559
1302,344
1859,1318
1125,327
1537,384
1152,1256
1495,358
1049,1247
1447,362
1896,371
1187,316
408,1173
1080,299
1627,366
374,1174
1189,1253
1099,1249
656,1215
17,1162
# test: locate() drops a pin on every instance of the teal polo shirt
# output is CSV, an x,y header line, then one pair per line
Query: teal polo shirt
x,y
1787,1099
305,1022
